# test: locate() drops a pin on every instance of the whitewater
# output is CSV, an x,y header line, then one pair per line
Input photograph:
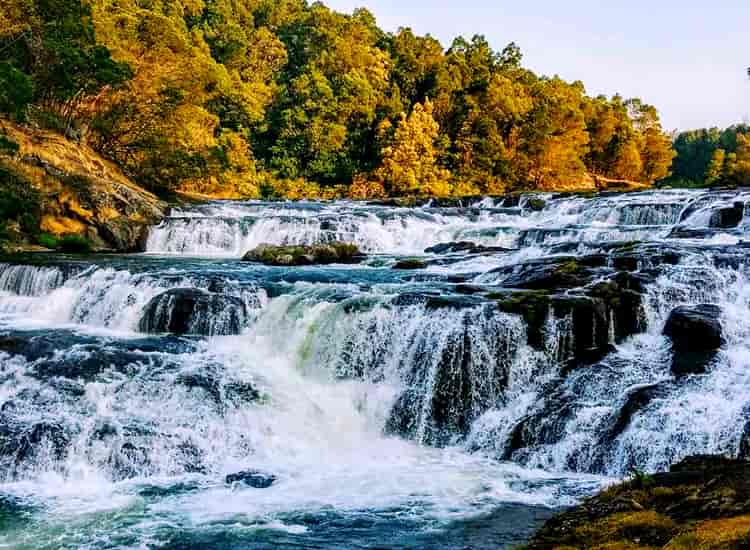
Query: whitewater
x,y
390,408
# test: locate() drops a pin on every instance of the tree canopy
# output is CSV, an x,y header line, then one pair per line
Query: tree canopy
x,y
288,98
711,156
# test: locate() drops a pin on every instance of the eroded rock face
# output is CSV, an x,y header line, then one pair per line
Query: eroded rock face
x,y
696,334
729,217
193,311
320,254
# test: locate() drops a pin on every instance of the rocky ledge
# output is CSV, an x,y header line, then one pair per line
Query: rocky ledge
x,y
701,503
77,193
301,255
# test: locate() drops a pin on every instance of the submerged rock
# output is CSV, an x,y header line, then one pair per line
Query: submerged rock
x,y
466,247
411,264
251,478
193,311
301,255
637,400
696,334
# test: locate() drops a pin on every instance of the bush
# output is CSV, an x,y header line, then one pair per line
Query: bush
x,y
16,91
47,241
8,146
74,244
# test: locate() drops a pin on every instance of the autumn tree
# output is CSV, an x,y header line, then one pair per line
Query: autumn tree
x,y
410,164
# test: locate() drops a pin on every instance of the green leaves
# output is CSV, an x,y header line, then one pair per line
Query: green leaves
x,y
16,91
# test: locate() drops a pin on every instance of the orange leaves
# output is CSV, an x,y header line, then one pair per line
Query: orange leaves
x,y
410,165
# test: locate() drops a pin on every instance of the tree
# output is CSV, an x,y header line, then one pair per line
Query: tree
x,y
16,91
716,169
410,165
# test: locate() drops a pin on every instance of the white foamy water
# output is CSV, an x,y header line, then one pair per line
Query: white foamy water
x,y
384,402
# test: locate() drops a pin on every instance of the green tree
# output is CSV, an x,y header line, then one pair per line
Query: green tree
x,y
16,91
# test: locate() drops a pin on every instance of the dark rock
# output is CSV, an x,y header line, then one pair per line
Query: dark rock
x,y
636,401
545,426
410,264
445,248
124,235
206,381
465,247
535,204
696,335
451,385
744,453
22,443
129,461
534,307
682,232
239,391
302,255
254,479
454,301
551,273
193,311
729,217
190,457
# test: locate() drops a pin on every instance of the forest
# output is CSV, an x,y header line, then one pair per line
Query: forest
x,y
711,157
283,98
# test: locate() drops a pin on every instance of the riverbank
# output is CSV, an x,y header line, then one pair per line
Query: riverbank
x,y
703,503
52,187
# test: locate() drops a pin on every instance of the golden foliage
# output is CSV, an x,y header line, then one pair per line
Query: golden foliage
x,y
410,165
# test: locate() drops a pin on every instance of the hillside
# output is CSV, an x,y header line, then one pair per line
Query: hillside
x,y
288,99
52,187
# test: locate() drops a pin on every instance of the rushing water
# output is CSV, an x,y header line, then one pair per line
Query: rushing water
x,y
394,409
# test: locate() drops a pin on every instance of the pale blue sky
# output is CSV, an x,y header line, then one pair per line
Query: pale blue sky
x,y
687,57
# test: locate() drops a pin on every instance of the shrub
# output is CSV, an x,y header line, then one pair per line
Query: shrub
x,y
75,244
8,146
47,241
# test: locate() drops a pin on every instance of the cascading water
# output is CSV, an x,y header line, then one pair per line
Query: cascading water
x,y
448,407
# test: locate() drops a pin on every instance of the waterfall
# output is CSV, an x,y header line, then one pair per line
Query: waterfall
x,y
524,365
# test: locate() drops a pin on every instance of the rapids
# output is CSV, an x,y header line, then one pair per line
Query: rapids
x,y
454,406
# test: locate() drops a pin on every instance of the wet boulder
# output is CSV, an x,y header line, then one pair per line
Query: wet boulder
x,y
453,381
20,443
536,204
410,264
551,273
194,311
466,247
728,217
129,461
251,478
637,400
696,334
302,255
744,453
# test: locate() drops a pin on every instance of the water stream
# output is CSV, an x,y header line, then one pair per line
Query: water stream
x,y
394,409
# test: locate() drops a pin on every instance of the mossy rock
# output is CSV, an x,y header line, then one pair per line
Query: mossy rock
x,y
302,255
536,204
702,502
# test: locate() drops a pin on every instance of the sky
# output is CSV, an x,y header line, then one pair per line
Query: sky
x,y
688,58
